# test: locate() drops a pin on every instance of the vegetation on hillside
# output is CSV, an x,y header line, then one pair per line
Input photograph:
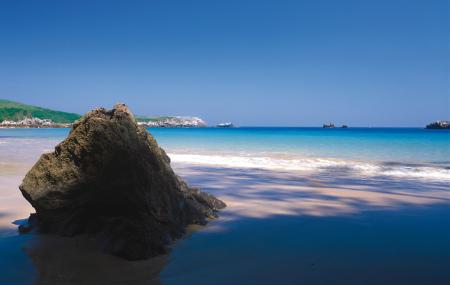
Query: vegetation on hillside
x,y
14,111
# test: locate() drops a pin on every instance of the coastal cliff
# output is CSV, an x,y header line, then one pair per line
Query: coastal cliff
x,y
110,179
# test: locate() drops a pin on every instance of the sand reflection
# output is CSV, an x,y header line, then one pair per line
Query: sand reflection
x,y
257,193
78,261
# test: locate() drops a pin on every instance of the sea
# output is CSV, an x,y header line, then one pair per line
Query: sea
x,y
398,152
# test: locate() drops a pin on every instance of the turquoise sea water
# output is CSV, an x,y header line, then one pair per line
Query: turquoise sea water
x,y
395,144
402,152
380,144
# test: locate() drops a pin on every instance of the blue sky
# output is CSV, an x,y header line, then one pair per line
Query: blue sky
x,y
282,63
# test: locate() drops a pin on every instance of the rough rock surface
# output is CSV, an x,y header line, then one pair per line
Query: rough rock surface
x,y
110,179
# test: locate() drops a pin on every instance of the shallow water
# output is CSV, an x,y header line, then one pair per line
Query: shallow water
x,y
398,152
303,208
412,145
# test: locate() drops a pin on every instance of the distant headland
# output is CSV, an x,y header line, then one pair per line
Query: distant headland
x,y
19,115
16,114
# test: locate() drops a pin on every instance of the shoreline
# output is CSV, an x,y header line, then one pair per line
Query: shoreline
x,y
15,207
308,206
292,163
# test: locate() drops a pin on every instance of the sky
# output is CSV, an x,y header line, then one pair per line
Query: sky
x,y
252,62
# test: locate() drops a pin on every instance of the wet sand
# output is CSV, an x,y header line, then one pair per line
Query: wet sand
x,y
48,259
278,228
316,228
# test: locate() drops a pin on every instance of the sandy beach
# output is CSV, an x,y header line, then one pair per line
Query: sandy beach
x,y
12,205
286,227
293,228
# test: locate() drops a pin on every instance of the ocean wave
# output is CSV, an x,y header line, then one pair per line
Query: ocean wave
x,y
360,168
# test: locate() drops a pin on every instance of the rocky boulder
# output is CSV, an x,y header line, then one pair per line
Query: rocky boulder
x,y
110,179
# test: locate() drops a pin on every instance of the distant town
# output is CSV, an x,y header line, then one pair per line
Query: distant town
x,y
174,122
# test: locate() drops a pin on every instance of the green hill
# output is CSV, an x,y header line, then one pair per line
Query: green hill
x,y
14,111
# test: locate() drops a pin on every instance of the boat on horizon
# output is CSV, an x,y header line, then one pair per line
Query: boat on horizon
x,y
225,125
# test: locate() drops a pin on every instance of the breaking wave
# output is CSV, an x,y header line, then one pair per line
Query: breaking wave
x,y
363,169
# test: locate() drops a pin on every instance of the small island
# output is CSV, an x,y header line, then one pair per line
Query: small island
x,y
439,125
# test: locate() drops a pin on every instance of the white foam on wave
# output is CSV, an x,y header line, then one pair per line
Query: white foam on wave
x,y
363,169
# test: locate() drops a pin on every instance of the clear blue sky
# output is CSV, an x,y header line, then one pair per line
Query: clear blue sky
x,y
286,63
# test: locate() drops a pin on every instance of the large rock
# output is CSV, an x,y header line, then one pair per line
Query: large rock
x,y
110,179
